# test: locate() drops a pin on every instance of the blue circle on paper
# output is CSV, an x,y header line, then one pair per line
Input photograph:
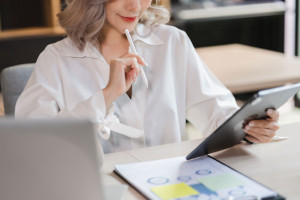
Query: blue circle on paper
x,y
203,172
158,180
184,178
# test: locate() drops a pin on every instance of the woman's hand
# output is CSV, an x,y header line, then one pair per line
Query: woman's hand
x,y
262,131
123,72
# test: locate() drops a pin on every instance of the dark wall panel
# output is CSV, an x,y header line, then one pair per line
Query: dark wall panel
x,y
264,32
26,50
21,14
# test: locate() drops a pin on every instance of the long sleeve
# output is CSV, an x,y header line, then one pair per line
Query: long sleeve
x,y
209,102
51,93
67,83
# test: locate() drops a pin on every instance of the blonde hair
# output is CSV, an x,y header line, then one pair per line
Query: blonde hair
x,y
83,19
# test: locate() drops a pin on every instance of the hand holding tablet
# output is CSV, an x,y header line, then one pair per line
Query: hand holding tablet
x,y
231,132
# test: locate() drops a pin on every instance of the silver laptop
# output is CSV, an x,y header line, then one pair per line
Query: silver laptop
x,y
49,160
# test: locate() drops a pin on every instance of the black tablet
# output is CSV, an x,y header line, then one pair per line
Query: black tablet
x,y
231,133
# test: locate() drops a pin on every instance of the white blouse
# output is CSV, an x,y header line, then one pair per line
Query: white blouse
x,y
67,82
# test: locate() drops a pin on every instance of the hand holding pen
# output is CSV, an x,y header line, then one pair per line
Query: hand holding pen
x,y
123,72
129,65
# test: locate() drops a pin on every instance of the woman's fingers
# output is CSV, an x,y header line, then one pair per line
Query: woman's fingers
x,y
252,139
124,71
261,135
273,114
133,64
262,131
140,60
263,123
132,67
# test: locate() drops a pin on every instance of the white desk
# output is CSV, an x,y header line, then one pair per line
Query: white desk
x,y
276,164
243,68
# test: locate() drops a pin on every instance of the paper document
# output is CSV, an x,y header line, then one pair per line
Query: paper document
x,y
202,178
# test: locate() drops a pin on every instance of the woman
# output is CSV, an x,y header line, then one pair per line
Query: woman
x,y
92,74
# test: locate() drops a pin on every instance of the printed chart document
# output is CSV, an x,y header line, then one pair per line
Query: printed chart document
x,y
202,178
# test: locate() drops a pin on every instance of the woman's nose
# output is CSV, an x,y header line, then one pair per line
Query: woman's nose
x,y
133,5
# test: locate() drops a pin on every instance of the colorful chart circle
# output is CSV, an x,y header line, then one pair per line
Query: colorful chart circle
x,y
158,180
203,172
184,178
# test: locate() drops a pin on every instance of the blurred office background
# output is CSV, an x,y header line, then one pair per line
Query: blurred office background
x,y
268,24
26,27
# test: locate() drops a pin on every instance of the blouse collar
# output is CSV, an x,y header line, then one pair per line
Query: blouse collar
x,y
68,48
145,34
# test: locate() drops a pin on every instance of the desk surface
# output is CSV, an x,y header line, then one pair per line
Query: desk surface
x,y
243,68
276,164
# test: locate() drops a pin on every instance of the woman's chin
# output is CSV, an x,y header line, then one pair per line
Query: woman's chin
x,y
130,27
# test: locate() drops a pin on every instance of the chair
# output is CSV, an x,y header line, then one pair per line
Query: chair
x,y
13,81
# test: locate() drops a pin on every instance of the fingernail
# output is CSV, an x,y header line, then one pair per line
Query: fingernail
x,y
251,124
269,111
146,64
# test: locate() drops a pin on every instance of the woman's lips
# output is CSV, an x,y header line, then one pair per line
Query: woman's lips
x,y
128,19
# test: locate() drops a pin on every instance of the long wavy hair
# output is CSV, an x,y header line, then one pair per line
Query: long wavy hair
x,y
83,19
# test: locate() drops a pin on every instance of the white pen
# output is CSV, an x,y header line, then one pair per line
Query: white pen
x,y
277,138
135,52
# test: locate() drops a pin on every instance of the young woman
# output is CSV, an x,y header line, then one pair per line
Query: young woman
x,y
93,74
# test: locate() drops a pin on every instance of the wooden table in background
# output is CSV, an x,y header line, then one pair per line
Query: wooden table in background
x,y
243,68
